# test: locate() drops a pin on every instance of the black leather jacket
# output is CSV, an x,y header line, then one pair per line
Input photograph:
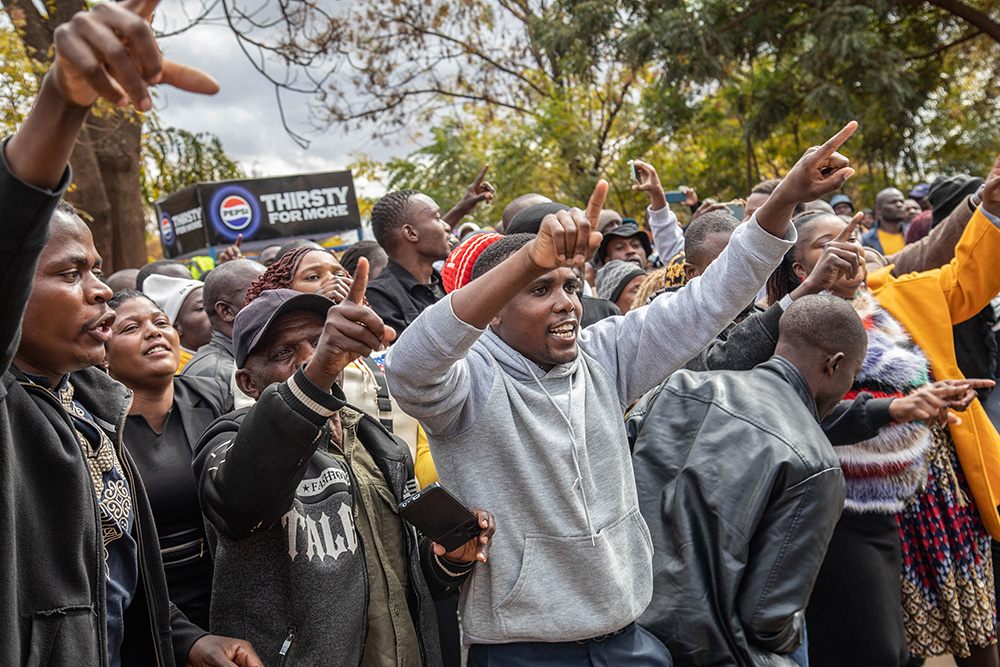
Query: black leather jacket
x,y
741,491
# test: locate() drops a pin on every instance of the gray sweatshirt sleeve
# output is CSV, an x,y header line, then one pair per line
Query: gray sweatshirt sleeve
x,y
430,373
646,345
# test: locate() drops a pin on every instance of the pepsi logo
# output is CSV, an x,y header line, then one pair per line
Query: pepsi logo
x,y
166,229
235,212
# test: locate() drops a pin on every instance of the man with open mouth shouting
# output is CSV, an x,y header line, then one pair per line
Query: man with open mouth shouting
x,y
522,410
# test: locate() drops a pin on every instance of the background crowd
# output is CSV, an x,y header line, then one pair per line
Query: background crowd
x,y
765,437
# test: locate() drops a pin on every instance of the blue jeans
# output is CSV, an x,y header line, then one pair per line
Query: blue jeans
x,y
801,655
635,647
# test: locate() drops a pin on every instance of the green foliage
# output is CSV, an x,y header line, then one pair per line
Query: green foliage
x,y
717,95
173,159
18,81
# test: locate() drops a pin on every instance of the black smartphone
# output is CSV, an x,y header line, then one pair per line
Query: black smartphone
x,y
674,196
440,516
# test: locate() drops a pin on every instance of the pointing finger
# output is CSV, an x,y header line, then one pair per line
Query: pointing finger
x,y
187,78
849,229
596,203
357,293
482,174
836,141
143,8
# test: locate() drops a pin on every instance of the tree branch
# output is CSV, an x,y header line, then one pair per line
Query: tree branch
x,y
747,15
971,15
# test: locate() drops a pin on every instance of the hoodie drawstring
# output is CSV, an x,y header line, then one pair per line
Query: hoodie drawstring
x,y
578,482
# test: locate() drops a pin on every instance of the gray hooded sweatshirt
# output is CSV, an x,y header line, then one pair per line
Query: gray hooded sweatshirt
x,y
546,452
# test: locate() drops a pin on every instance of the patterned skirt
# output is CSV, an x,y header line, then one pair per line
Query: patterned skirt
x,y
947,586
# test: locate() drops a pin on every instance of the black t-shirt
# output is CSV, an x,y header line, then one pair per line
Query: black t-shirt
x,y
164,462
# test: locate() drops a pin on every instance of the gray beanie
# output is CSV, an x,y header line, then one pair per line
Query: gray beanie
x,y
614,276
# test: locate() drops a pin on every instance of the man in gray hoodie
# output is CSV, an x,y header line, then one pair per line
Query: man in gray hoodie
x,y
525,417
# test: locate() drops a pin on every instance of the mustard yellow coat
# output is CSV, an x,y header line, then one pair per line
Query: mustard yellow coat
x,y
928,304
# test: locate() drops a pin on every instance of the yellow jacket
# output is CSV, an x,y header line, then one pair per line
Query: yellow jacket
x,y
928,304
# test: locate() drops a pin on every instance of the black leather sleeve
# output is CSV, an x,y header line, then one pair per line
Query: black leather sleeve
x,y
746,344
248,464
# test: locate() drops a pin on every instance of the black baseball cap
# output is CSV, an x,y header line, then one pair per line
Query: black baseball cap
x,y
529,221
255,319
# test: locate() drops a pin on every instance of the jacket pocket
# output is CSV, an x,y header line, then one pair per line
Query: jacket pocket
x,y
287,652
65,636
578,587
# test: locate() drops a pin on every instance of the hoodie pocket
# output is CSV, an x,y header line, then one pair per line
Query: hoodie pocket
x,y
575,587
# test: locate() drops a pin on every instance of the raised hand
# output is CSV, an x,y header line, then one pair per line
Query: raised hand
x,y
111,52
820,171
649,182
479,191
596,203
476,549
841,258
232,252
991,190
564,239
352,330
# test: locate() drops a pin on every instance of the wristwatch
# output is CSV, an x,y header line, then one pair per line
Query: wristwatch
x,y
975,200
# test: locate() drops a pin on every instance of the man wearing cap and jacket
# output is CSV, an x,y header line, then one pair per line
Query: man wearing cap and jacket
x,y
300,491
627,243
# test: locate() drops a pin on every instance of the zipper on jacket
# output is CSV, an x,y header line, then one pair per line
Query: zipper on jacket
x,y
287,651
364,561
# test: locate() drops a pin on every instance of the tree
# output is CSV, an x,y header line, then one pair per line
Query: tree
x,y
118,168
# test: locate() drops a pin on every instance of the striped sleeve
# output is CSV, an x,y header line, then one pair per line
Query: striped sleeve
x,y
308,400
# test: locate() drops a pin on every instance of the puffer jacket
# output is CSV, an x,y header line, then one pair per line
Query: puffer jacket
x,y
741,491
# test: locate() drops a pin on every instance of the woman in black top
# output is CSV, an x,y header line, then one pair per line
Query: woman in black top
x,y
168,416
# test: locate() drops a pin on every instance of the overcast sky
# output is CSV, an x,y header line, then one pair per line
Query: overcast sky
x,y
245,113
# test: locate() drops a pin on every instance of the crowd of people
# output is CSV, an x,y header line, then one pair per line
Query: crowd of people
x,y
763,438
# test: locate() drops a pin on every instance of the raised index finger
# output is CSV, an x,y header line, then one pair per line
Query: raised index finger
x,y
596,203
482,174
360,284
143,8
849,229
836,141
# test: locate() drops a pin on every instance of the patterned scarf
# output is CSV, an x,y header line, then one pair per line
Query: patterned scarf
x,y
883,473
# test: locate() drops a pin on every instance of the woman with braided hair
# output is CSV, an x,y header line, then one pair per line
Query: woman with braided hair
x,y
305,269
308,269
919,500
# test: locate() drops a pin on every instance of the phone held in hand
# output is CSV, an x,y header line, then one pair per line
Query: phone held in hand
x,y
631,168
675,196
440,516
735,209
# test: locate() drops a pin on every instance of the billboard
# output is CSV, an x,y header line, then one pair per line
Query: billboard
x,y
212,214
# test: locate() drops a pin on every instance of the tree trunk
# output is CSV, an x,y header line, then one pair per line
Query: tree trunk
x,y
106,188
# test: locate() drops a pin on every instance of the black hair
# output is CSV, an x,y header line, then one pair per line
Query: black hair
x,y
496,252
126,295
699,229
389,215
823,322
766,187
223,280
295,244
784,280
154,267
367,249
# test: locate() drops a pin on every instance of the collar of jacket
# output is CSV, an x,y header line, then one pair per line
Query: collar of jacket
x,y
223,342
107,400
787,371
406,279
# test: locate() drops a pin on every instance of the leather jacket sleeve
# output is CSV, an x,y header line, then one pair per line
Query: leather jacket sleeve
x,y
244,480
783,561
